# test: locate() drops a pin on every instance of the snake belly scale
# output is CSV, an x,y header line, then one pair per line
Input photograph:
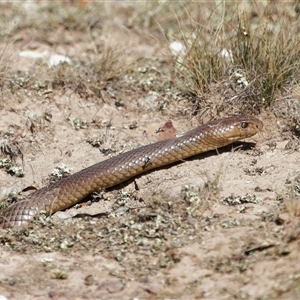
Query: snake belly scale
x,y
70,190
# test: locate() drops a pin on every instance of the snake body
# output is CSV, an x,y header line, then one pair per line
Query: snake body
x,y
70,190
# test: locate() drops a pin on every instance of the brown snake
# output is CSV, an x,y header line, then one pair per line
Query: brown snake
x,y
70,190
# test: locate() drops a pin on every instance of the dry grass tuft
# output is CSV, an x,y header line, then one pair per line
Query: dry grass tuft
x,y
254,47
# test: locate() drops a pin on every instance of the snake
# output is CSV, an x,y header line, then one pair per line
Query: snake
x,y
72,189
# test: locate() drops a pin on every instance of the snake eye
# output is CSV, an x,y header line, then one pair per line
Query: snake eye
x,y
244,125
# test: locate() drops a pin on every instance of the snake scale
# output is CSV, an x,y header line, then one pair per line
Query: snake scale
x,y
70,190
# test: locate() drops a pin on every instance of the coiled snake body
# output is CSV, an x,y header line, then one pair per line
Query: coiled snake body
x,y
70,190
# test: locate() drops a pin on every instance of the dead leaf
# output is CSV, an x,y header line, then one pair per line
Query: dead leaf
x,y
168,131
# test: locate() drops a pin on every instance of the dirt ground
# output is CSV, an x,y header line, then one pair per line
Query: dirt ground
x,y
224,225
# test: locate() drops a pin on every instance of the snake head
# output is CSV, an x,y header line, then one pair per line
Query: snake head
x,y
239,127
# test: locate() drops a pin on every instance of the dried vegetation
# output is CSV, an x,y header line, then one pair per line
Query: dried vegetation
x,y
250,51
227,58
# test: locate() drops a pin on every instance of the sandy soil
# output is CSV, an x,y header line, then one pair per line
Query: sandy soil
x,y
219,226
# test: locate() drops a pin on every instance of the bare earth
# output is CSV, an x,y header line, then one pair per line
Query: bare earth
x,y
219,226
